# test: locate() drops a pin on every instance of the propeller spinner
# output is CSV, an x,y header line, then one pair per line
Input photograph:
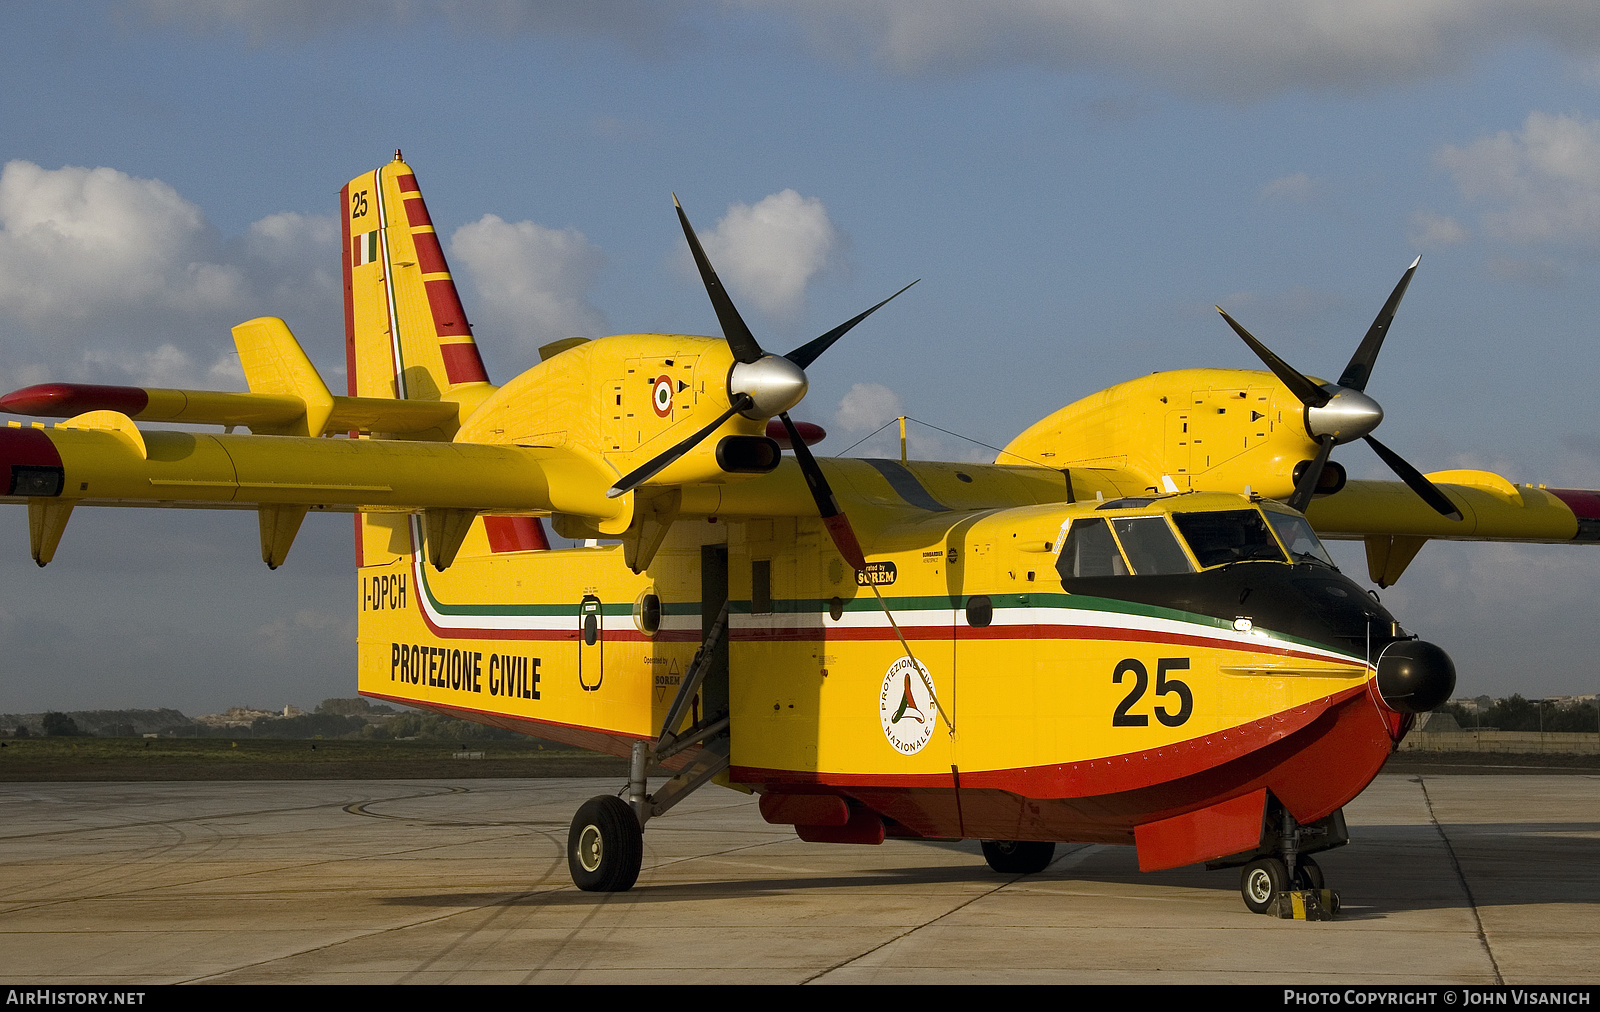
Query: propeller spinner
x,y
1342,412
762,385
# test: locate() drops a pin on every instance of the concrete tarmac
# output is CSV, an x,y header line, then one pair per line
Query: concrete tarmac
x,y
1449,879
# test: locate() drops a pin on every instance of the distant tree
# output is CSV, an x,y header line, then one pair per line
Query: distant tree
x,y
1517,714
22,731
437,727
59,725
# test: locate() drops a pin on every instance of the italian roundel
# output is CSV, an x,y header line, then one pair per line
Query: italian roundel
x,y
661,396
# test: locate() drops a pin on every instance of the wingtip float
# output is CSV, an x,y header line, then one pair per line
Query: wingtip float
x,y
1150,644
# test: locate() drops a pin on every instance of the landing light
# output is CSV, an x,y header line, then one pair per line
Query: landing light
x,y
1243,625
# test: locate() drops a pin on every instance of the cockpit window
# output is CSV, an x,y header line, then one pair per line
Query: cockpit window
x,y
1147,548
1090,551
1297,536
1151,548
1217,539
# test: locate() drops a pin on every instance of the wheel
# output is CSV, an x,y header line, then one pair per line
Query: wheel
x,y
1262,880
605,846
1308,874
1018,857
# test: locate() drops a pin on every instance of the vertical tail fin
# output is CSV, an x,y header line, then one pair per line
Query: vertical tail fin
x,y
406,335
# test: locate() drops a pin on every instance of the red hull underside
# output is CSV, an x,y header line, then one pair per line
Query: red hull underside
x,y
1313,771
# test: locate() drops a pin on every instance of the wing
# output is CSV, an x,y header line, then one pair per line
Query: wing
x,y
1394,523
102,459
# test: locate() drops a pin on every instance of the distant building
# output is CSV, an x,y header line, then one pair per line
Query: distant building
x,y
236,716
1437,723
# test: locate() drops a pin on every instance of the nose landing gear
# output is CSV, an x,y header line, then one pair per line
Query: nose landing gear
x,y
1280,879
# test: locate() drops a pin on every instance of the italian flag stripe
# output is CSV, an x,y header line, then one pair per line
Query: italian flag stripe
x,y
366,248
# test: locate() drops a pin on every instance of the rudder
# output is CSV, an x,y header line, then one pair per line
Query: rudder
x,y
406,334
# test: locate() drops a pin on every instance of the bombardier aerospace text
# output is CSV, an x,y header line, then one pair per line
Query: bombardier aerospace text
x,y
1126,630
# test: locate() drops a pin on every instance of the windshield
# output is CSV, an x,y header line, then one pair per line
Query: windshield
x,y
1297,536
1217,539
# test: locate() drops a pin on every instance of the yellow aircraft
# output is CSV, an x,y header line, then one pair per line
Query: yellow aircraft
x,y
1123,631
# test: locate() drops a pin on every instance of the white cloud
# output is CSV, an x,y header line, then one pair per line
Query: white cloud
x,y
167,366
866,406
288,236
531,282
1241,49
75,242
1298,188
871,406
769,252
107,277
1430,230
1539,184
1234,48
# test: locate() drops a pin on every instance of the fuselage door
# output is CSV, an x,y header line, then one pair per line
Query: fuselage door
x,y
591,643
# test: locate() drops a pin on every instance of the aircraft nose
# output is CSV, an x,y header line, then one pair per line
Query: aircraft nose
x,y
1415,676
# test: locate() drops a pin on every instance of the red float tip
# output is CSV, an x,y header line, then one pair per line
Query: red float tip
x,y
63,400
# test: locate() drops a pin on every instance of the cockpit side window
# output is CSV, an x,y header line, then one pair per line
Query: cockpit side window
x,y
1151,548
1090,551
1297,536
1217,539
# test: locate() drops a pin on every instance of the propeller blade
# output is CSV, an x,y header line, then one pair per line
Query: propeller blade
x,y
1311,395
655,465
844,538
1359,370
1411,476
743,343
808,353
833,518
1307,486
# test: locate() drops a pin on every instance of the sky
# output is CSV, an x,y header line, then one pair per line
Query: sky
x,y
1076,183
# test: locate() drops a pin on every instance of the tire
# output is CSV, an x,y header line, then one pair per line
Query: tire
x,y
1260,883
1308,874
605,846
1018,857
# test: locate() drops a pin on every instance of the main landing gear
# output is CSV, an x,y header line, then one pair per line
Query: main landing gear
x,y
1018,857
605,846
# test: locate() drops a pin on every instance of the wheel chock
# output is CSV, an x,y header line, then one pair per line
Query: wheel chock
x,y
1306,904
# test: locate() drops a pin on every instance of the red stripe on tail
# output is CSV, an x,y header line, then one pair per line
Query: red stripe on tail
x,y
462,364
